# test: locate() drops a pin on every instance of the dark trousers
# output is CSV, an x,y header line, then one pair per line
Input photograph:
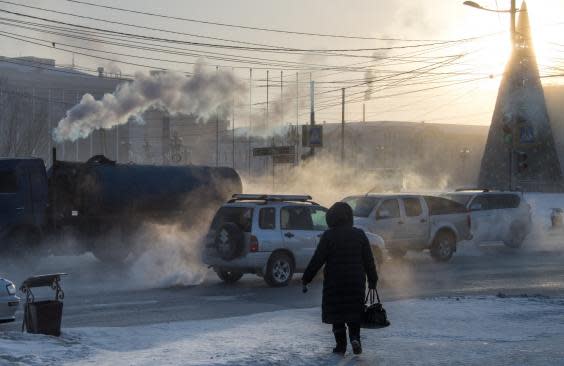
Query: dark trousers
x,y
354,330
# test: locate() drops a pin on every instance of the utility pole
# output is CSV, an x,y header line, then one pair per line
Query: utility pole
x,y
343,127
233,132
267,89
281,97
512,27
250,118
217,130
364,113
312,108
76,143
297,134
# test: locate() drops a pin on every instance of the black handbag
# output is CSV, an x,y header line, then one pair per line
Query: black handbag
x,y
374,315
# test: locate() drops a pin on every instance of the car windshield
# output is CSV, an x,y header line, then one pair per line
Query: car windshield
x,y
240,216
460,198
362,206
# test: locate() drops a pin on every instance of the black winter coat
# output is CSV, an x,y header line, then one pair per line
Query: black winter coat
x,y
348,260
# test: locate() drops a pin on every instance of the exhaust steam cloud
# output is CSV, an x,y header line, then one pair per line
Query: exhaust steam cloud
x,y
202,94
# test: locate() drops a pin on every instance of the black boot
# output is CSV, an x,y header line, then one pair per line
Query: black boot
x,y
341,340
356,346
354,336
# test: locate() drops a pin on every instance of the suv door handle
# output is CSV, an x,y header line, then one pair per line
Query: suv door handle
x,y
400,222
423,220
289,235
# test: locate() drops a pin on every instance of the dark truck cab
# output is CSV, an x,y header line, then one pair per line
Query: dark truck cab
x,y
24,201
100,203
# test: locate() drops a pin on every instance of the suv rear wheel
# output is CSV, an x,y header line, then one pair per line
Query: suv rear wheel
x,y
443,246
279,270
228,276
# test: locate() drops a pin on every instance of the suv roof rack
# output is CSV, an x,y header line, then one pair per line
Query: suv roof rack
x,y
472,189
271,197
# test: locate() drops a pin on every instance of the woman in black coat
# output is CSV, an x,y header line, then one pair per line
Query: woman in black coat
x,y
346,254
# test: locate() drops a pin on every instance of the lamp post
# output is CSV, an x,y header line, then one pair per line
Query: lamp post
x,y
513,11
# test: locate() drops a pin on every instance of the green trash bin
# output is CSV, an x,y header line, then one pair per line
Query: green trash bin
x,y
45,316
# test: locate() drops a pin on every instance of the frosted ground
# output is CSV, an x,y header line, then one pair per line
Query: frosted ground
x,y
442,331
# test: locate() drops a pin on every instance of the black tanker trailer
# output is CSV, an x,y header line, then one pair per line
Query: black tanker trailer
x,y
102,202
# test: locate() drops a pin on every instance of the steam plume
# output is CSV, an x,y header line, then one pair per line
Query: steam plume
x,y
202,94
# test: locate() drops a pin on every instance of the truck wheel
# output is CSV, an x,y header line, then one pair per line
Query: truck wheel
x,y
22,243
443,246
517,235
397,253
279,270
110,254
228,276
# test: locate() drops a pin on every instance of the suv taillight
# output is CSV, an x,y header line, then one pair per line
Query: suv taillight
x,y
254,247
469,220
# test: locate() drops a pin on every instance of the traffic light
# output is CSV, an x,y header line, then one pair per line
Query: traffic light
x,y
522,158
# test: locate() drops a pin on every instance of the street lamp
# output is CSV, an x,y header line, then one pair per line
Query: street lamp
x,y
513,10
478,6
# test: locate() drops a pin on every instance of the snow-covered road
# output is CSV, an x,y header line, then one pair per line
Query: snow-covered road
x,y
441,331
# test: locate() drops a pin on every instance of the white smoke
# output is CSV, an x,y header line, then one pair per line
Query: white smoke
x,y
202,94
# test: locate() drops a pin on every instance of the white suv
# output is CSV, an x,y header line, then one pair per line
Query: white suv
x,y
496,215
272,236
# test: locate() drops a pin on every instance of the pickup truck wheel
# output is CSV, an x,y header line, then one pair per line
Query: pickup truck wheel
x,y
443,246
517,235
228,276
397,253
279,270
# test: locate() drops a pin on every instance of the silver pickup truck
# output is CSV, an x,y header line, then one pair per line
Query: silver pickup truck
x,y
413,222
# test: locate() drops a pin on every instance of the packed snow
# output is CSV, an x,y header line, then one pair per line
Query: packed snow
x,y
443,331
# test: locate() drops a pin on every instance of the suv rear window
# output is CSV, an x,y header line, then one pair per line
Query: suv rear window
x,y
443,206
240,216
8,182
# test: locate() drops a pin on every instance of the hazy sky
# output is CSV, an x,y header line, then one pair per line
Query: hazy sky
x,y
454,94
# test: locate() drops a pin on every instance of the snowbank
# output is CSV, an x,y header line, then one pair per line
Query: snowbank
x,y
469,331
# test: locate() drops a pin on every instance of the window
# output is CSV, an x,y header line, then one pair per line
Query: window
x,y
8,182
389,209
500,201
460,198
318,218
296,218
267,217
412,207
443,206
240,216
362,206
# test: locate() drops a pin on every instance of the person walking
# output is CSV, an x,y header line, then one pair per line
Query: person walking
x,y
347,256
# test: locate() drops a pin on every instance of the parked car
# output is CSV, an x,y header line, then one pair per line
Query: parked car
x,y
413,222
496,215
9,302
273,236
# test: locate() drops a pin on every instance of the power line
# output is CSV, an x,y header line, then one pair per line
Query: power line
x,y
253,28
244,48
